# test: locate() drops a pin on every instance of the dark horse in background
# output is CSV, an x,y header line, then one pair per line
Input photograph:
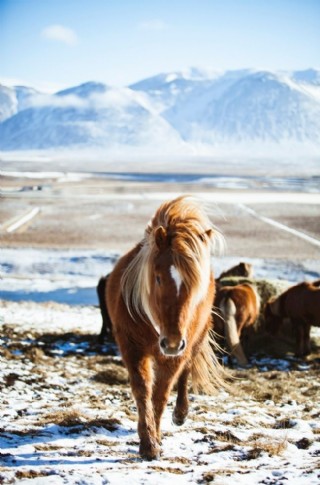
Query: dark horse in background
x,y
159,298
301,304
106,329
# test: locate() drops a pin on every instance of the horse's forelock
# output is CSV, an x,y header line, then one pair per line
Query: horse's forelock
x,y
191,237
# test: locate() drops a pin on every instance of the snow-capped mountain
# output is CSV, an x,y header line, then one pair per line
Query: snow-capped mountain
x,y
89,114
85,90
8,102
167,89
186,109
14,99
258,106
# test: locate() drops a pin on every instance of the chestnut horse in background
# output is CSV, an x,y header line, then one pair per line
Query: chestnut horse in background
x,y
159,297
300,303
239,307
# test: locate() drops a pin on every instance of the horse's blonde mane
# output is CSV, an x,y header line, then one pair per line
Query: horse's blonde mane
x,y
192,238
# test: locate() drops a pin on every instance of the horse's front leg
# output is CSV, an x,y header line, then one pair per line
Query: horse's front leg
x,y
141,380
181,409
164,379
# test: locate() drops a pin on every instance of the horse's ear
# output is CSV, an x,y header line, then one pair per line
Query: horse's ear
x,y
160,237
206,234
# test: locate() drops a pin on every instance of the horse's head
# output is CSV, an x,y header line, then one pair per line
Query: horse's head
x,y
179,281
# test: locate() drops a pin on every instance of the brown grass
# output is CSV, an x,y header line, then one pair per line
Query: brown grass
x,y
74,417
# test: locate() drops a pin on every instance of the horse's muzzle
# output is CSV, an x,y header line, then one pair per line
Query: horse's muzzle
x,y
172,348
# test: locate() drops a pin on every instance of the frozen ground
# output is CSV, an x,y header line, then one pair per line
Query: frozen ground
x,y
68,416
66,407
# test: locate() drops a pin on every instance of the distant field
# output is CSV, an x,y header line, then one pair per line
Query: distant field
x,y
111,212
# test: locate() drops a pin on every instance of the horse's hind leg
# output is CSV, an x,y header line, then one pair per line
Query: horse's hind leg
x,y
307,342
181,409
302,333
303,344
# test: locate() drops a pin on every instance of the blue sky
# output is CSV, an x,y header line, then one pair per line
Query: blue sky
x,y
52,44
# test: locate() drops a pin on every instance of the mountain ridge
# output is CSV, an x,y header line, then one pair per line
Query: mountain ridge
x,y
169,110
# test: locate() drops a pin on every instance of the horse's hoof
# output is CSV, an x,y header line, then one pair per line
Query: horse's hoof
x,y
178,420
150,454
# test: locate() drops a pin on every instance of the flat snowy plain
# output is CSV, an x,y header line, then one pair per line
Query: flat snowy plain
x,y
67,412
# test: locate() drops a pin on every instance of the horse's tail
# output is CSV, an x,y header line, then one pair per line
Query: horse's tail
x,y
207,374
106,329
229,310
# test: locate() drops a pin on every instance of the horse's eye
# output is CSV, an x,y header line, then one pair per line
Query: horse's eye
x,y
158,279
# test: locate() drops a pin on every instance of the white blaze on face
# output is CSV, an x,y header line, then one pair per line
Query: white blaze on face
x,y
176,277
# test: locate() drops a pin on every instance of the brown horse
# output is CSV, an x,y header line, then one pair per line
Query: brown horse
x,y
239,307
159,297
241,269
301,304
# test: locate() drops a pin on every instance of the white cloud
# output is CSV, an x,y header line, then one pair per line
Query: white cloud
x,y
155,24
60,34
68,101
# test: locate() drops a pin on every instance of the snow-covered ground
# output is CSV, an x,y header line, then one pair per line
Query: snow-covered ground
x,y
67,416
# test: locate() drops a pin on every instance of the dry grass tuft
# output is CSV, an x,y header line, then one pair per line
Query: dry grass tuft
x,y
284,423
174,471
68,419
227,436
29,474
265,444
65,418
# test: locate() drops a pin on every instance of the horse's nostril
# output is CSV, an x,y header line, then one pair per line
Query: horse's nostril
x,y
163,343
182,345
